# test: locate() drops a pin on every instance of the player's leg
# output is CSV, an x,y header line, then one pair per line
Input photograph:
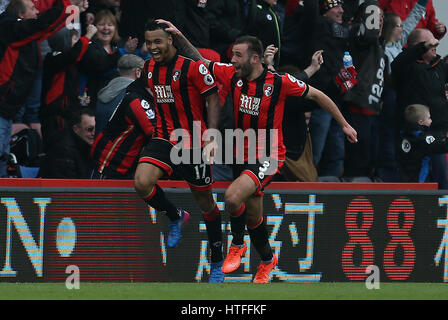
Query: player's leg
x,y
153,164
236,195
212,219
145,183
199,177
259,237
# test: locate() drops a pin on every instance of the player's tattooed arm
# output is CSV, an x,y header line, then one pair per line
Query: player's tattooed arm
x,y
182,43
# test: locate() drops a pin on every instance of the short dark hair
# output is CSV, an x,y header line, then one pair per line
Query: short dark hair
x,y
15,7
152,25
76,116
254,44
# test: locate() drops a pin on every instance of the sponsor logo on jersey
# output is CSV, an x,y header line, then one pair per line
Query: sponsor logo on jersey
x,y
249,105
163,94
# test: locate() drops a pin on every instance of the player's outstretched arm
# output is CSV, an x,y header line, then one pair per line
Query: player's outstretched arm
x,y
326,103
213,116
184,45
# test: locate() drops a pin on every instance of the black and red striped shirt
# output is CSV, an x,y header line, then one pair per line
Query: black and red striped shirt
x,y
19,55
259,104
179,90
117,147
60,84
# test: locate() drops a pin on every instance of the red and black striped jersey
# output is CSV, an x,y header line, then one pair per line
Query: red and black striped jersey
x,y
19,55
179,90
60,82
259,106
117,147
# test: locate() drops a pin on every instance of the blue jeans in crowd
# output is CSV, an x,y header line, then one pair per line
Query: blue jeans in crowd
x,y
5,137
29,113
327,140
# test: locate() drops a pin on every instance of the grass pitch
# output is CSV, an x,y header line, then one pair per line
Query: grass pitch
x,y
225,291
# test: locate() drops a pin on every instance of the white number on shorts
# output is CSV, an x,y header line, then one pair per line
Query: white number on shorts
x,y
204,171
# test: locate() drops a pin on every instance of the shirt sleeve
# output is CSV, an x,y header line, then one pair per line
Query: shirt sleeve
x,y
142,114
202,78
294,87
223,73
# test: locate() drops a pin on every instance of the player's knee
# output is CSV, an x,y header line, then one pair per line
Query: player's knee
x,y
142,184
232,201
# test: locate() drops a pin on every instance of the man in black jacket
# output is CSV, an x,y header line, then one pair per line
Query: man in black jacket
x,y
227,20
69,156
363,102
420,76
326,31
20,32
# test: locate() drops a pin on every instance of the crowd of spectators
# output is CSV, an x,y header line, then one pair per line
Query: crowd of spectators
x,y
59,79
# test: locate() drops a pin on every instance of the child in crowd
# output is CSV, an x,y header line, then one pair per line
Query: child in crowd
x,y
417,144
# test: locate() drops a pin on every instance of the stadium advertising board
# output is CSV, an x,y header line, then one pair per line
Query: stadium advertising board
x,y
109,234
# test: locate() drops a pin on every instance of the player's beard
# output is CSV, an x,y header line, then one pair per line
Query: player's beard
x,y
245,70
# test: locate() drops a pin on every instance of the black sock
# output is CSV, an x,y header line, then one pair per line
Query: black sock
x,y
214,232
158,201
260,239
238,225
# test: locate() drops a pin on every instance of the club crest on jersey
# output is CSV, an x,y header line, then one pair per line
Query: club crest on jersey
x,y
203,69
208,80
239,83
163,93
268,89
249,105
176,75
149,75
